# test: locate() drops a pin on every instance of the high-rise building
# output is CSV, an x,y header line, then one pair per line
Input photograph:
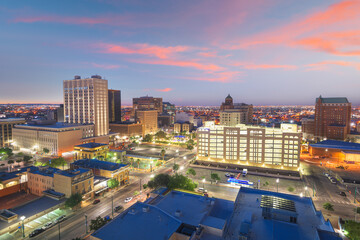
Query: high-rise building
x,y
59,116
6,130
86,101
235,113
244,145
332,118
114,105
147,103
149,120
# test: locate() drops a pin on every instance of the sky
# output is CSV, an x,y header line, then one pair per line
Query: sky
x,y
263,52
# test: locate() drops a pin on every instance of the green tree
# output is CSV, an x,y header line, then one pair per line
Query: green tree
x,y
26,158
160,135
148,138
176,167
113,183
190,147
191,171
291,189
97,223
145,186
215,177
328,206
45,150
136,193
181,182
160,180
73,200
163,151
138,162
56,162
353,229
7,151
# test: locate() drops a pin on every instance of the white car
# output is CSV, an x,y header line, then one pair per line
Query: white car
x,y
332,180
128,199
202,190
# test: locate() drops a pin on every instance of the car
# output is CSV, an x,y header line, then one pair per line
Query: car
x,y
326,174
244,172
332,180
107,218
342,194
202,190
128,199
36,232
60,219
227,175
232,175
96,201
48,225
118,208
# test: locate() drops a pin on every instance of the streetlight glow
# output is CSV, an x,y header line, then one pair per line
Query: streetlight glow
x,y
22,218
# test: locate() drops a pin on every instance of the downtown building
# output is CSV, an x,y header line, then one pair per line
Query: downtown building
x,y
114,97
86,102
6,130
232,114
147,103
250,145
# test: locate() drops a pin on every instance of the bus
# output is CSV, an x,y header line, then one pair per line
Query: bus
x,y
239,182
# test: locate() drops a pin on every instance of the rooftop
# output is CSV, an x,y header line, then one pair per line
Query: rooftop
x,y
94,163
333,100
4,176
91,145
334,144
50,171
11,119
58,125
248,219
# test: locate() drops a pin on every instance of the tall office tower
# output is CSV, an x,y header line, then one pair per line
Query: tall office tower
x,y
332,118
147,103
86,101
235,113
114,105
60,113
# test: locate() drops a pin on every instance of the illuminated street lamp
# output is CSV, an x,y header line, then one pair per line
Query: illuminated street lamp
x,y
22,218
203,183
306,188
277,184
301,195
181,168
185,158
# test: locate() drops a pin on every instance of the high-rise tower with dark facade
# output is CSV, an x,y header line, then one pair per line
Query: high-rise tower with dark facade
x,y
114,105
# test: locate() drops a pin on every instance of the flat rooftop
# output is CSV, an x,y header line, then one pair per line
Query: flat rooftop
x,y
248,212
50,171
91,145
334,144
11,119
58,125
94,163
4,176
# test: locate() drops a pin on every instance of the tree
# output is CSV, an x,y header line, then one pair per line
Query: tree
x,y
291,189
136,193
7,151
181,182
26,158
56,162
97,223
352,229
328,206
138,162
176,167
190,147
113,183
191,171
160,180
160,135
148,138
215,177
45,150
73,200
145,186
163,151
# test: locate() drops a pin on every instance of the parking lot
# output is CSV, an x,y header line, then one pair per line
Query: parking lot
x,y
151,150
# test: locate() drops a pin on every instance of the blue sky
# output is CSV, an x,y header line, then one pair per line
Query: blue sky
x,y
262,52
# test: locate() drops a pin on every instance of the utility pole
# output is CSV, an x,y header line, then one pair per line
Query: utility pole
x,y
86,223
112,205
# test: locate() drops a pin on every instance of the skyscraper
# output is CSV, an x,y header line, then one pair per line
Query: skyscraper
x,y
114,105
147,103
332,118
235,113
86,101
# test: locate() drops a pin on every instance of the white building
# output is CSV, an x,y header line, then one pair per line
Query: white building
x,y
86,101
258,146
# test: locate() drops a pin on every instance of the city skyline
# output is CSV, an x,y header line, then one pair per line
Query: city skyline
x,y
261,52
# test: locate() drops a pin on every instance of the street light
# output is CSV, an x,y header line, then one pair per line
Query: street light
x,y
203,182
306,188
181,168
301,195
277,184
22,218
185,158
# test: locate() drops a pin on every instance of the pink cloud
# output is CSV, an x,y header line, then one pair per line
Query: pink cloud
x,y
164,90
207,54
106,66
182,63
142,49
222,77
264,66
324,65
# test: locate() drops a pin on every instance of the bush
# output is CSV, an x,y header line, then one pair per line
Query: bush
x,y
97,223
148,138
328,206
73,200
352,229
176,167
291,189
113,183
172,182
191,171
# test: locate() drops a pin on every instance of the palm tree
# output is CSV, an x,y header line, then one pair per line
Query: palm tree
x,y
163,153
138,163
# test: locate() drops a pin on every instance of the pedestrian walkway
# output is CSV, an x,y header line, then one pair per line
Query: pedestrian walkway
x,y
326,199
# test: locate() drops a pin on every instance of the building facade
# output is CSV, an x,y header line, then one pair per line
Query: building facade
x,y
6,130
149,120
91,150
147,103
86,101
332,118
257,146
114,105
58,138
126,129
235,113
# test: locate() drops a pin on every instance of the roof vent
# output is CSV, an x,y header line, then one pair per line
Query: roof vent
x,y
77,77
96,76
178,213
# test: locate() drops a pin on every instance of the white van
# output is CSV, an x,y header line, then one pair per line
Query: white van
x,y
244,172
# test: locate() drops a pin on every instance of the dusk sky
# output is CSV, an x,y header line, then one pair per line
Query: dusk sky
x,y
189,52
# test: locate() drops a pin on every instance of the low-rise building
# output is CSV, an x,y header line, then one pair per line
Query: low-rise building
x,y
127,129
6,130
91,150
58,138
105,169
343,151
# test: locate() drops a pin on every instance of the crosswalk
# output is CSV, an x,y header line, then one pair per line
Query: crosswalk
x,y
338,201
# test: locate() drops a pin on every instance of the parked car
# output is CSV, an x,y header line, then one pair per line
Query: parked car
x,y
96,201
326,174
342,194
332,180
48,225
202,190
60,219
128,199
227,175
118,208
36,232
244,172
107,218
232,175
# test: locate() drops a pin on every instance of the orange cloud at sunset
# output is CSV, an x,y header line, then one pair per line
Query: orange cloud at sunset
x,y
164,90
